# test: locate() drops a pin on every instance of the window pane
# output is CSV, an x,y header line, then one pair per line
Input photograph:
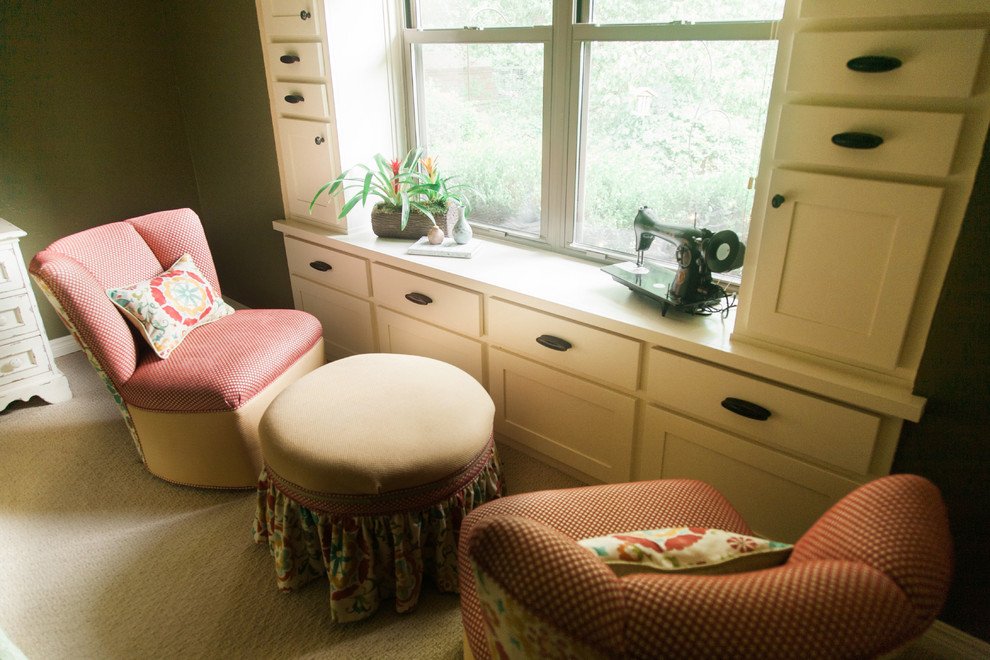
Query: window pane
x,y
652,11
457,14
676,126
481,112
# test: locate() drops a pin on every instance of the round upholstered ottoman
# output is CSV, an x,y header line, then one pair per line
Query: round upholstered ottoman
x,y
370,464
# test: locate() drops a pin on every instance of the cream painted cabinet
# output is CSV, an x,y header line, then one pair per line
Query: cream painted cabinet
x,y
27,366
325,121
866,173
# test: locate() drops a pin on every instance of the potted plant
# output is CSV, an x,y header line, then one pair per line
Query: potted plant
x,y
412,195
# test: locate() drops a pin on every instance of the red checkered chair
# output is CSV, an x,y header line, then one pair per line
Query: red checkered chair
x,y
193,415
870,575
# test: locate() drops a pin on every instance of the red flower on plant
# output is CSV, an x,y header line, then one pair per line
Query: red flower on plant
x,y
396,164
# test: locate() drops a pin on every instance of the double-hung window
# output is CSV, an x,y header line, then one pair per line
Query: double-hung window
x,y
569,115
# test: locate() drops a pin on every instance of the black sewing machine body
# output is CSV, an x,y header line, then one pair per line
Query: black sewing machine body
x,y
699,253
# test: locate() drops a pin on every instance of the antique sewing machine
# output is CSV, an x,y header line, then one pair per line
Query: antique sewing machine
x,y
699,254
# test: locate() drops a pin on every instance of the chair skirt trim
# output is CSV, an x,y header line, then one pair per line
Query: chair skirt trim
x,y
213,449
369,558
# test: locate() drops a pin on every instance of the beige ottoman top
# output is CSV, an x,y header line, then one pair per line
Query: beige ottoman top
x,y
375,423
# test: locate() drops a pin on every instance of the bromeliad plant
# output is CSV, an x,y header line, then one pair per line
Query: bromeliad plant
x,y
401,185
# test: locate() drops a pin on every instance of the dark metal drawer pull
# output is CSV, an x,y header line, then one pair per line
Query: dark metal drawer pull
x,y
873,64
419,298
289,59
777,201
320,265
319,140
746,409
556,343
304,15
294,98
857,140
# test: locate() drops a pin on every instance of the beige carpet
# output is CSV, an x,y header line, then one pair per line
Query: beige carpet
x,y
102,560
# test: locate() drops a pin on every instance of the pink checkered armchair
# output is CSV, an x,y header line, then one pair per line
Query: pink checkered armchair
x,y
869,576
194,380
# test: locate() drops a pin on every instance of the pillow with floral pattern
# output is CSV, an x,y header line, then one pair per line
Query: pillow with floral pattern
x,y
165,309
686,550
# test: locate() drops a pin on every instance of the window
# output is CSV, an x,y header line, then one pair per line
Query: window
x,y
568,116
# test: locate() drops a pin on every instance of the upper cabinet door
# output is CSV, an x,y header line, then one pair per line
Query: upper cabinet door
x,y
308,162
839,265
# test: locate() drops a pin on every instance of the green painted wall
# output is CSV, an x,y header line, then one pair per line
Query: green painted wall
x,y
114,108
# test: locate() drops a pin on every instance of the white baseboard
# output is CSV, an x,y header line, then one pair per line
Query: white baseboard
x,y
947,643
64,345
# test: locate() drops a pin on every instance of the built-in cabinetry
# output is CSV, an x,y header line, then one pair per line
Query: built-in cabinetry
x,y
325,118
871,150
591,378
796,397
27,366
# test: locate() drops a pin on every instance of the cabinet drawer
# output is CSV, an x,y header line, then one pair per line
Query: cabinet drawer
x,y
779,496
291,18
596,353
798,423
22,359
296,60
441,304
580,424
884,8
913,142
400,334
302,100
17,317
11,273
933,63
346,320
328,267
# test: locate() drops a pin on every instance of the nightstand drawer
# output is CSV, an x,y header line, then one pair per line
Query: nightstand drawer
x,y
307,100
296,60
328,267
564,344
449,307
11,275
912,142
16,317
797,422
933,63
21,359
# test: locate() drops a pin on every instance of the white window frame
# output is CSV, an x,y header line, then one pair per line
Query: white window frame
x,y
565,42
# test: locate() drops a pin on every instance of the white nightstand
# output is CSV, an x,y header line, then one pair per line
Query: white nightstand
x,y
27,366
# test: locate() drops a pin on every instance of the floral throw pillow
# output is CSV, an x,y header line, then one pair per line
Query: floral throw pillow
x,y
686,550
166,308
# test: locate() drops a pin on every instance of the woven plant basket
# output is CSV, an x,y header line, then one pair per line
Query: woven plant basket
x,y
386,223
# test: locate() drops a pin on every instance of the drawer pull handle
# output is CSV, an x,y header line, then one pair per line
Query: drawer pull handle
x,y
777,201
289,59
321,266
294,98
305,15
419,298
873,64
746,409
857,140
319,140
555,343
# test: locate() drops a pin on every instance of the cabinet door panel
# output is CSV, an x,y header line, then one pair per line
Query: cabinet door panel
x,y
839,265
779,496
346,320
580,424
308,163
401,334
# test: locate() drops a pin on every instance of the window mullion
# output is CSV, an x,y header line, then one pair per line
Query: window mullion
x,y
558,180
